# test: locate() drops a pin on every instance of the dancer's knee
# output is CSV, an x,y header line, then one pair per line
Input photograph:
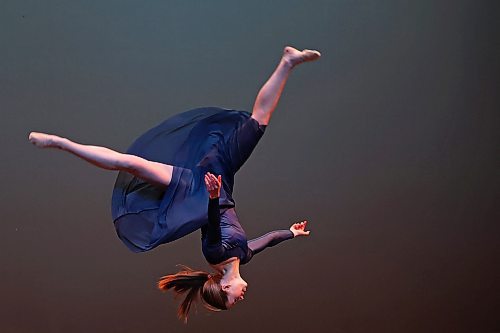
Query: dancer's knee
x,y
129,163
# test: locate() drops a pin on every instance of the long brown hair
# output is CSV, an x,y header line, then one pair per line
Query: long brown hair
x,y
195,284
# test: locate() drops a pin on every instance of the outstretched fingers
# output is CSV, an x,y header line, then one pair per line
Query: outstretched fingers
x,y
213,184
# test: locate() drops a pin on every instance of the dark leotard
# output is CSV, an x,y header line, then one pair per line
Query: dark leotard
x,y
195,142
224,238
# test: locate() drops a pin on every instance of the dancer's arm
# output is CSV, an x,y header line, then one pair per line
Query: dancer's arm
x,y
213,229
275,237
213,185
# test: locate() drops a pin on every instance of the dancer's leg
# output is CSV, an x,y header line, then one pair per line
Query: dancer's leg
x,y
155,173
270,93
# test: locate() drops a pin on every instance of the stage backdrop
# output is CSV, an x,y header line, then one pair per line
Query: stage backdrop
x,y
388,145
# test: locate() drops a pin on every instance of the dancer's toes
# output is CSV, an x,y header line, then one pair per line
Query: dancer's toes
x,y
311,55
294,57
42,140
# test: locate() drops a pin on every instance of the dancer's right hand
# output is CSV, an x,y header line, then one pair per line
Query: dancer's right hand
x,y
213,185
299,229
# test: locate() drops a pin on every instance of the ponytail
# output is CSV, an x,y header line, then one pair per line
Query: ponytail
x,y
195,284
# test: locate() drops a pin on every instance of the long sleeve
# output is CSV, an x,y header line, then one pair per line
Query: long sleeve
x,y
213,227
211,234
268,240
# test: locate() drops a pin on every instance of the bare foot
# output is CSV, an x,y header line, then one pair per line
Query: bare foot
x,y
43,140
294,57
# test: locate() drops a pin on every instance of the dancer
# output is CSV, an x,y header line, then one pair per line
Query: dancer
x,y
178,177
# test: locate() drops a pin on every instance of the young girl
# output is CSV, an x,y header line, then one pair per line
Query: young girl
x,y
178,177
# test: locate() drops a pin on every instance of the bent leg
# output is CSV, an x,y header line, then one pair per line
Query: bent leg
x,y
270,93
155,173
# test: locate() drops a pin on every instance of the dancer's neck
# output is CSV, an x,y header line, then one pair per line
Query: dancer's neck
x,y
230,268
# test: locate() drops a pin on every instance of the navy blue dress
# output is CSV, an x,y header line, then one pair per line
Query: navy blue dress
x,y
223,237
194,142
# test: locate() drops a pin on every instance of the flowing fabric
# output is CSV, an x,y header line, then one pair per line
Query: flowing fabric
x,y
194,142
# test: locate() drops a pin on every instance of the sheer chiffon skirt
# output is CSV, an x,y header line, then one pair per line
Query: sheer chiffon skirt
x,y
194,142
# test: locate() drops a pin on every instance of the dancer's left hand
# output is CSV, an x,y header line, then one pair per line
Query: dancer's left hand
x,y
299,229
213,185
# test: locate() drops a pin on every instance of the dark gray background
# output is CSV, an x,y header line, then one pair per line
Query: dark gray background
x,y
388,146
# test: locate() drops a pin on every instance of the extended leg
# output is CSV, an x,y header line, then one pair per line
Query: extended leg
x,y
155,173
270,93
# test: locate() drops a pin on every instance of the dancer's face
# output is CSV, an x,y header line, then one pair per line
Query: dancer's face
x,y
235,291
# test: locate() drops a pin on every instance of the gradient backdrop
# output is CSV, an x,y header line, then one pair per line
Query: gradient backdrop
x,y
389,146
